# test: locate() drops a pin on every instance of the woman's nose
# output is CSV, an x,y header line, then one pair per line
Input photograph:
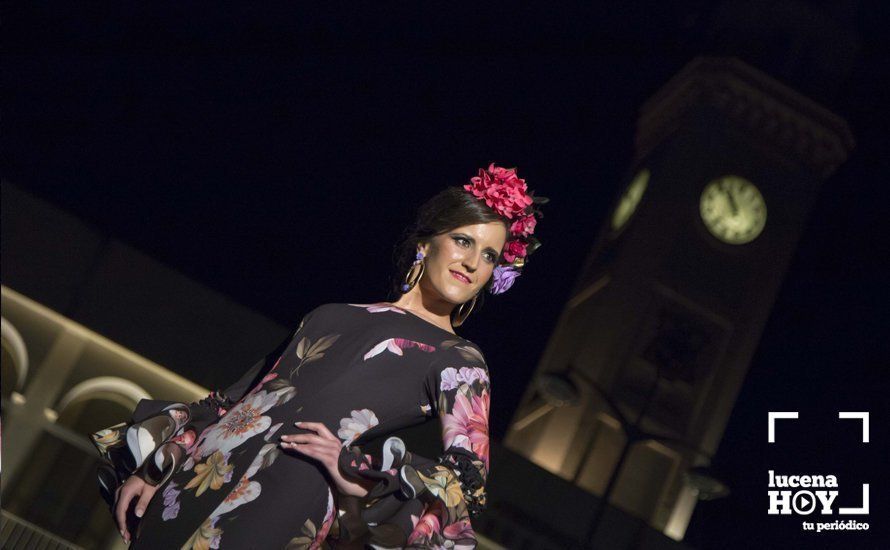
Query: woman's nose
x,y
471,261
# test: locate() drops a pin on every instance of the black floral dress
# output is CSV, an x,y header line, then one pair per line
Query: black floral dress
x,y
365,371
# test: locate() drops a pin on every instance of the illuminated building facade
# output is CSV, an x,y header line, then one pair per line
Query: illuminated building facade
x,y
80,348
636,385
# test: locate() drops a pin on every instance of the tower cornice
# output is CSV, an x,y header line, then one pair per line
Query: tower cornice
x,y
768,111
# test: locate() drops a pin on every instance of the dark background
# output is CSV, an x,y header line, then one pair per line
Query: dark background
x,y
274,153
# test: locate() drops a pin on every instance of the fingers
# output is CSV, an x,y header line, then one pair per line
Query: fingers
x,y
324,450
306,438
319,428
322,454
324,447
120,512
311,445
148,491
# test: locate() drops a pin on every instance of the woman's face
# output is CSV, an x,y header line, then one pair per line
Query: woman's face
x,y
459,262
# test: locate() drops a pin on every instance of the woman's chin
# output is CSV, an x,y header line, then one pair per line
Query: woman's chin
x,y
459,298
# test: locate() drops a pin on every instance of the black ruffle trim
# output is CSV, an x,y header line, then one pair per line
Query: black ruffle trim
x,y
217,400
468,468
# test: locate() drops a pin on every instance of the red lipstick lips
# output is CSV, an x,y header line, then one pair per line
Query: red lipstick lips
x,y
460,277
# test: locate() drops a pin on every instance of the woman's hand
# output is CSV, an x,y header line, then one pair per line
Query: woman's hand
x,y
134,487
324,447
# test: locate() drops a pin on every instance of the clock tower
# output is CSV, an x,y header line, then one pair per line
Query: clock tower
x,y
636,385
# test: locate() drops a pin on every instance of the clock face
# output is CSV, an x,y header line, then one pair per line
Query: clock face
x,y
733,210
630,199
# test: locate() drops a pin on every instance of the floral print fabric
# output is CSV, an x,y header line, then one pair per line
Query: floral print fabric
x,y
365,371
418,503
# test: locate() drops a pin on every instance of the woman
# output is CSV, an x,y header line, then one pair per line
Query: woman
x,y
275,460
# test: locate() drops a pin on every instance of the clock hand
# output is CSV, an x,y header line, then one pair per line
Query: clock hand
x,y
732,204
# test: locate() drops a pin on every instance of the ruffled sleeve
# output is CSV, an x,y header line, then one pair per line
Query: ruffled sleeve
x,y
418,502
156,440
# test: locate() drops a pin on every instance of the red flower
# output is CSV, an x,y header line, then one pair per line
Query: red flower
x,y
501,189
186,439
514,249
524,226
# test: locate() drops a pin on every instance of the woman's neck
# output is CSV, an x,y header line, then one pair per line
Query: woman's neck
x,y
437,313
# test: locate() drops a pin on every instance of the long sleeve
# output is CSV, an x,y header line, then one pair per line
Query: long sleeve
x,y
155,442
420,502
206,411
456,480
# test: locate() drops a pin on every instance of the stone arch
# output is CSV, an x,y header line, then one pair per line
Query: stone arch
x,y
13,342
113,388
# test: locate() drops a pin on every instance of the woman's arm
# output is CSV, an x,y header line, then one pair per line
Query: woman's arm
x,y
439,496
456,481
204,412
121,462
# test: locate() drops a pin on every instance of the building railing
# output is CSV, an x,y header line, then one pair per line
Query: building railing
x,y
16,533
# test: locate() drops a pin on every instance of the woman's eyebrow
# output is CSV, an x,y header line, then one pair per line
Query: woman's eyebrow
x,y
473,241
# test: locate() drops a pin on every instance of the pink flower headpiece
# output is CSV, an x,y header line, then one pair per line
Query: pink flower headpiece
x,y
507,194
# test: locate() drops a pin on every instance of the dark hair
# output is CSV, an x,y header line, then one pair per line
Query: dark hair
x,y
452,207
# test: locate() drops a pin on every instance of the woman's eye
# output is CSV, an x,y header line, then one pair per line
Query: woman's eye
x,y
462,241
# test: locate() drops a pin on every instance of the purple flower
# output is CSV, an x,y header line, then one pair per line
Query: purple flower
x,y
171,504
450,379
467,374
170,512
503,278
481,374
216,534
171,493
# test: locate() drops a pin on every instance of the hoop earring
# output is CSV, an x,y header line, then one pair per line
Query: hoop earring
x,y
461,316
414,274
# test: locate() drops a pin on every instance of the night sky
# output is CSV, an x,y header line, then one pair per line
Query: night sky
x,y
275,155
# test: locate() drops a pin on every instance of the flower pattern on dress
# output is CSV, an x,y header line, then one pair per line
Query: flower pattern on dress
x,y
311,537
207,536
230,451
357,423
448,492
397,345
471,354
272,431
246,491
469,375
307,351
441,484
424,528
452,378
267,455
212,474
379,307
461,529
282,388
171,502
467,425
242,422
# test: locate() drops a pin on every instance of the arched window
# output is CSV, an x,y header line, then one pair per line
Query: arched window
x,y
97,403
14,363
58,491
